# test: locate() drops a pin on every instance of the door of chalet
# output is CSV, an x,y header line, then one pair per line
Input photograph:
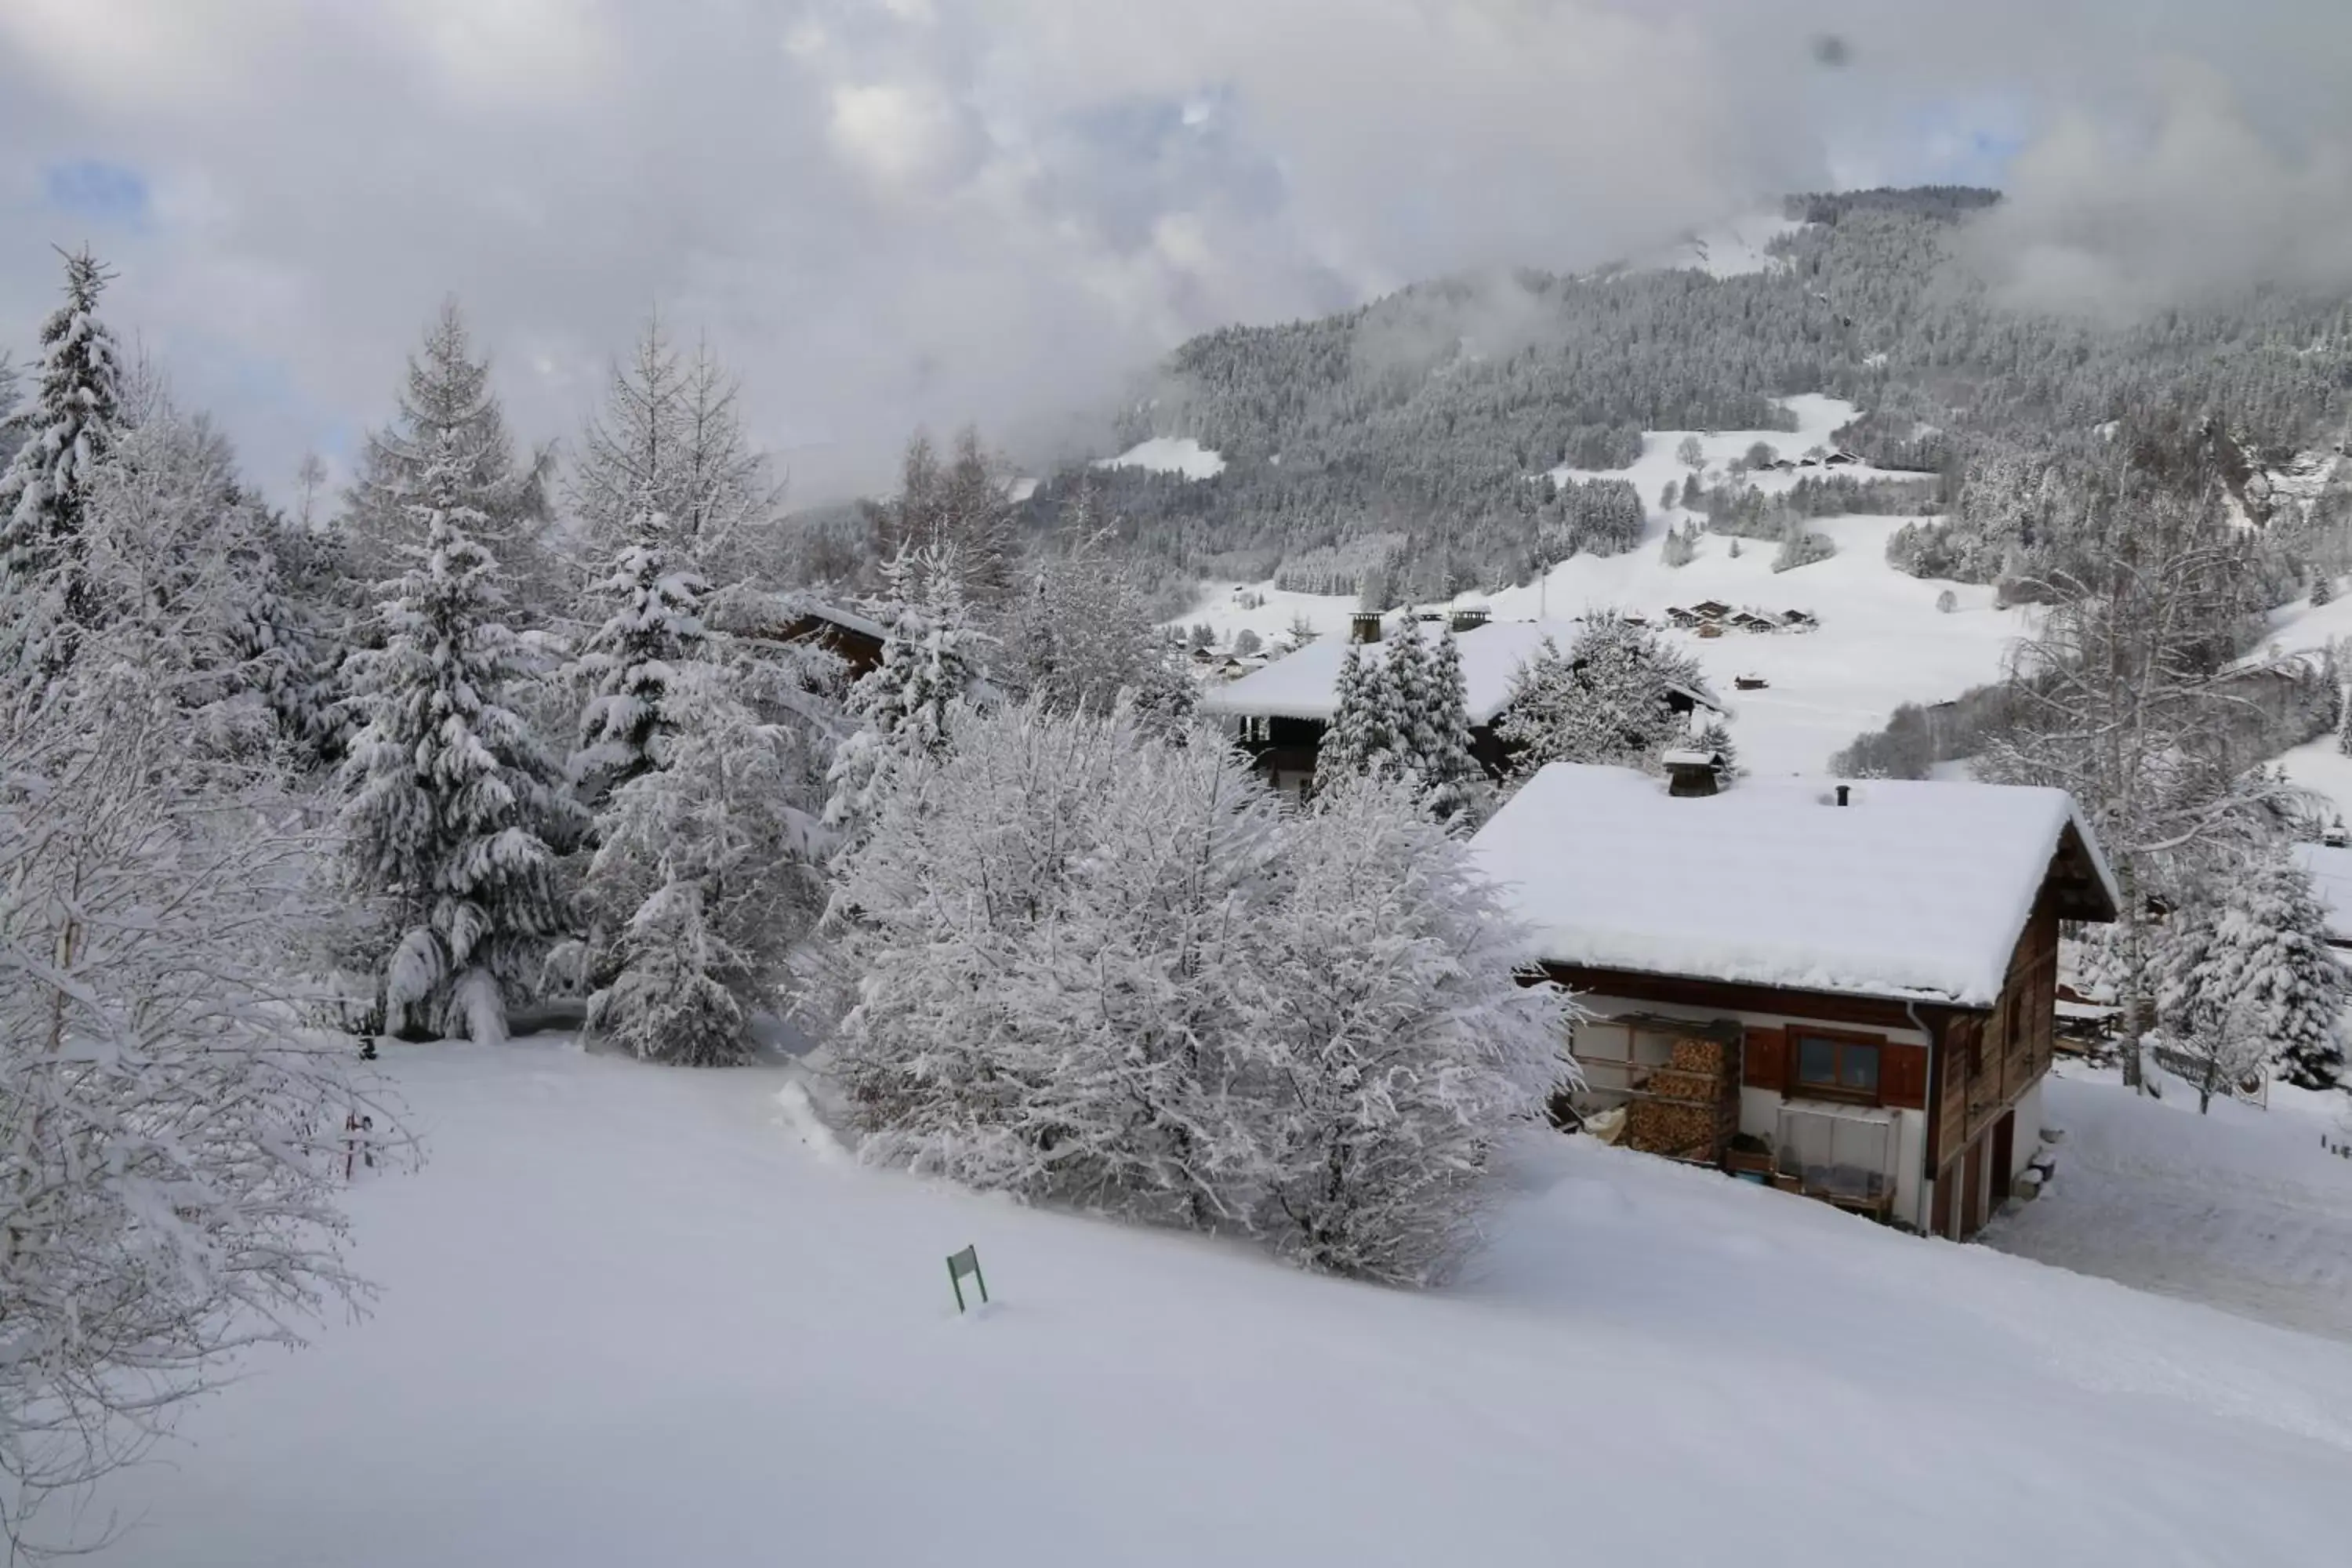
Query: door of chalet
x,y
2004,1158
1972,1189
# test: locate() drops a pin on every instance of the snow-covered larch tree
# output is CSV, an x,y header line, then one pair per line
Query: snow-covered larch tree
x,y
2119,698
669,440
61,433
1397,1045
456,810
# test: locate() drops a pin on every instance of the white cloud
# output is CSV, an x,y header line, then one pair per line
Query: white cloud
x,y
909,136
946,209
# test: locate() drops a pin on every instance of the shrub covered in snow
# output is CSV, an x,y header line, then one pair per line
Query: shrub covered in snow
x,y
1101,970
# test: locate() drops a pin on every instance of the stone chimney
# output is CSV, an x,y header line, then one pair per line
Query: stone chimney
x,y
1364,626
1693,773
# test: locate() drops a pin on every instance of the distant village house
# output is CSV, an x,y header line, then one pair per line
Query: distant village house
x,y
1278,714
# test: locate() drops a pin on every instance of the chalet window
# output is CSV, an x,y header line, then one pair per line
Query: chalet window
x,y
1831,1066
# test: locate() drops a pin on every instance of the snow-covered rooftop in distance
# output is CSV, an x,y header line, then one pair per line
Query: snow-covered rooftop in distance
x,y
1169,455
1304,685
1915,891
2331,878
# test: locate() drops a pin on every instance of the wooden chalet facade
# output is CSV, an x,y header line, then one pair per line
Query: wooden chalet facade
x,y
1278,714
1855,1001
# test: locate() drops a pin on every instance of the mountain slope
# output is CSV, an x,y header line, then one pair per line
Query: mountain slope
x,y
1426,413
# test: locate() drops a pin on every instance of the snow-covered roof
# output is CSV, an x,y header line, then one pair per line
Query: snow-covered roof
x,y
2331,879
847,620
1304,685
1915,891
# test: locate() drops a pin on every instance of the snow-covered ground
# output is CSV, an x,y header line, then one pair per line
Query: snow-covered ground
x,y
1882,642
1730,249
633,1315
1169,455
2242,1209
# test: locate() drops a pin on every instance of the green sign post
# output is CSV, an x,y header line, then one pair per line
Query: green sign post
x,y
960,1264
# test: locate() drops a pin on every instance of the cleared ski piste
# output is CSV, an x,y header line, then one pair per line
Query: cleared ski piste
x,y
635,1315
1882,641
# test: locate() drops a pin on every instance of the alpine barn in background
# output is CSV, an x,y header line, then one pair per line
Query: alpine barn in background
x,y
1845,989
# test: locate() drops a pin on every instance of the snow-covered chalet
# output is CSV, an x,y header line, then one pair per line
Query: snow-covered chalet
x,y
1847,990
1278,714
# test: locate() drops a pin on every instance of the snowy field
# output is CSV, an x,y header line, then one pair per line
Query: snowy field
x,y
2242,1209
635,1315
1169,455
1882,641
1731,249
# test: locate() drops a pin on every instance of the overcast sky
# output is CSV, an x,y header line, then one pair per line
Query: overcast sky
x,y
887,212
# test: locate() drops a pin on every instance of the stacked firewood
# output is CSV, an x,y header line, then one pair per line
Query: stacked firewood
x,y
1688,1109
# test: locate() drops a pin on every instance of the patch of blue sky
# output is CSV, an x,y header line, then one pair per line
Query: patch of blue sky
x,y
97,191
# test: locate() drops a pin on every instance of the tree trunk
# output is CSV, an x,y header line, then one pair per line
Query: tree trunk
x,y
2131,989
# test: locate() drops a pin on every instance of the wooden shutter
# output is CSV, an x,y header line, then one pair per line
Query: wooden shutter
x,y
1766,1061
1903,1076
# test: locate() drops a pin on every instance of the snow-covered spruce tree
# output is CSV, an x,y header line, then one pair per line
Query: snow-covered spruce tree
x,y
170,1140
1439,742
1607,699
451,432
652,629
455,811
2268,955
903,707
1365,718
1165,698
61,433
1717,738
1395,1046
707,871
